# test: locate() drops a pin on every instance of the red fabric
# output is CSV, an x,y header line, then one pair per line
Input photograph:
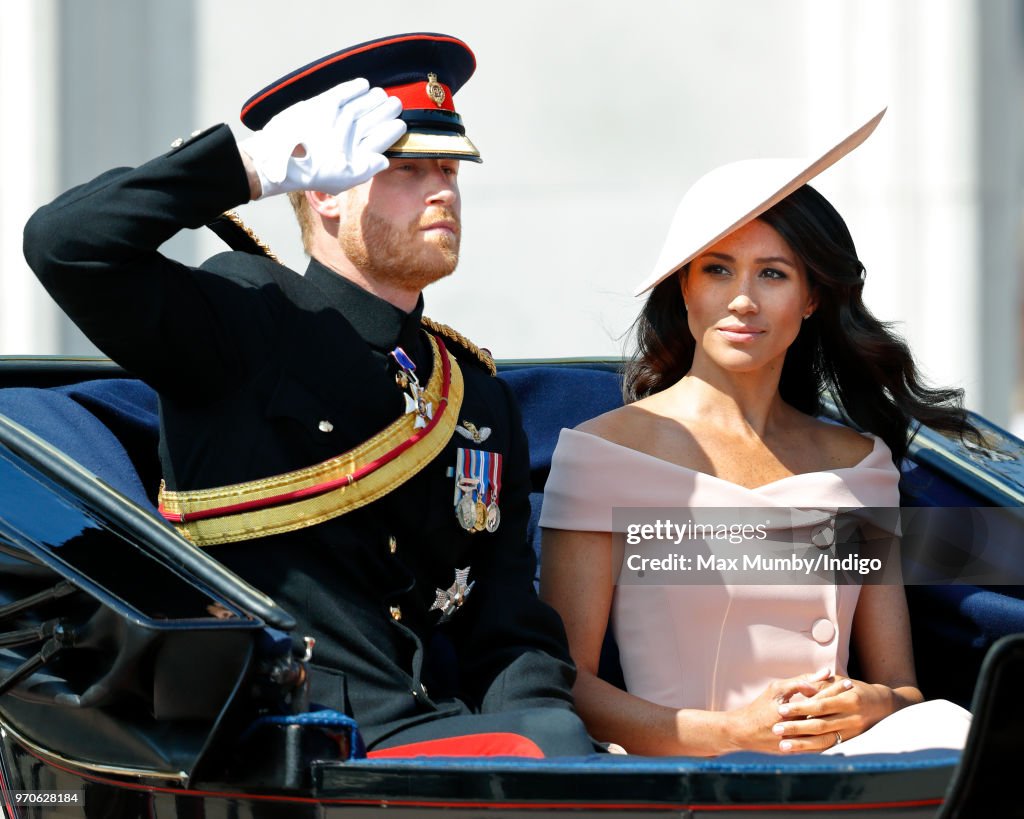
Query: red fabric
x,y
414,96
495,744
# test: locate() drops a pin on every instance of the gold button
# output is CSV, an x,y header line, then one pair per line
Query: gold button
x,y
178,143
325,426
396,613
392,544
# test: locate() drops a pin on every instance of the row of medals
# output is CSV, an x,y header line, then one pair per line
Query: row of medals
x,y
475,516
472,513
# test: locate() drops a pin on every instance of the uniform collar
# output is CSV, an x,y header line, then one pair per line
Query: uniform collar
x,y
380,324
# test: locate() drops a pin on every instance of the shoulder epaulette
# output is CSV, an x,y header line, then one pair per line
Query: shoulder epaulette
x,y
479,354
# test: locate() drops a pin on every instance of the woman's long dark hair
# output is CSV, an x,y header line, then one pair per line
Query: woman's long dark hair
x,y
841,349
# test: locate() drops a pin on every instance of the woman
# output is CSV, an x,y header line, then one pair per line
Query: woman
x,y
756,309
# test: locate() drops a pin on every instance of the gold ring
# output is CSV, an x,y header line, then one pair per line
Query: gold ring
x,y
839,739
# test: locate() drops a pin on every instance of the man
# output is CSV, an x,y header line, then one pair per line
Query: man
x,y
371,476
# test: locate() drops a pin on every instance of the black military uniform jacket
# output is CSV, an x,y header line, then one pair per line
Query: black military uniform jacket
x,y
250,359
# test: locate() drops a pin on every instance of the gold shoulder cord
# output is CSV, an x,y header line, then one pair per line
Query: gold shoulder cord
x,y
264,248
482,356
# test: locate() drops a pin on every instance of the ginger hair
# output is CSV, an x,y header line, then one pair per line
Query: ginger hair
x,y
304,215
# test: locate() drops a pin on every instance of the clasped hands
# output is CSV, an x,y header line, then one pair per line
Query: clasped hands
x,y
805,714
331,142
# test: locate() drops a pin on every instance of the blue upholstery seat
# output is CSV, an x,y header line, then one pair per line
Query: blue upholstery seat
x,y
109,426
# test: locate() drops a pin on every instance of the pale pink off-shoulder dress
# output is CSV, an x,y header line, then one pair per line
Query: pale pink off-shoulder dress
x,y
716,647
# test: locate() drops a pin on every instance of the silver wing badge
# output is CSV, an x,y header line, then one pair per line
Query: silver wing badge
x,y
473,433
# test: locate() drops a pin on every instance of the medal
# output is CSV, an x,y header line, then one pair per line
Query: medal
x,y
414,400
465,512
477,484
492,515
493,518
480,523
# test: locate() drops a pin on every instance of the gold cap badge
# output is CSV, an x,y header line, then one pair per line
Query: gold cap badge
x,y
435,90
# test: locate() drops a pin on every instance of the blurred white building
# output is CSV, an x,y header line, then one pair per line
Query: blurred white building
x,y
593,118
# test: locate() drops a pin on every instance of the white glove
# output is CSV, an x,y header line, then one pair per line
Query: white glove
x,y
329,143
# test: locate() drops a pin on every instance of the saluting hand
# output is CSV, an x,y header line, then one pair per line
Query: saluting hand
x,y
331,142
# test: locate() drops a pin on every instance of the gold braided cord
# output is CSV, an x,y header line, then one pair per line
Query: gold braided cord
x,y
454,335
298,514
234,218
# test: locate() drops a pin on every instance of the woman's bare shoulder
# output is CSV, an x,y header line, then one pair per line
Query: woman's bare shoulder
x,y
621,425
607,425
840,445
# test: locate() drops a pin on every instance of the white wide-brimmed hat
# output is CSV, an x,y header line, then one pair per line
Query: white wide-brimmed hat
x,y
730,196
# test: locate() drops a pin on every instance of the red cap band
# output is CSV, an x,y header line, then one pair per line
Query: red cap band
x,y
417,95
